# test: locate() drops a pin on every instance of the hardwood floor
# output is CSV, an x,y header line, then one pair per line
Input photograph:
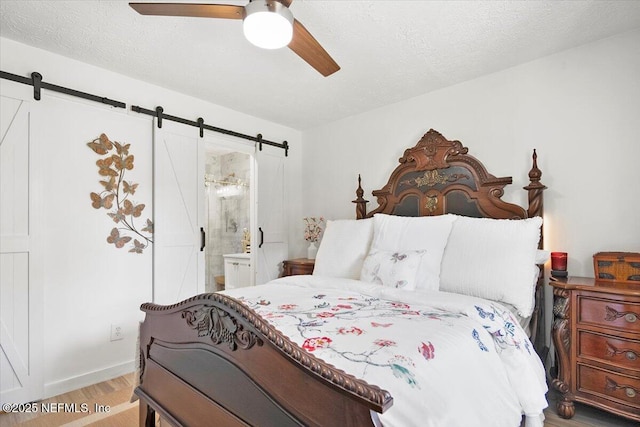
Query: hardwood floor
x,y
115,395
107,404
586,416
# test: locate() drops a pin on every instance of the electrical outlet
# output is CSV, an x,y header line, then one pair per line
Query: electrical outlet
x,y
116,332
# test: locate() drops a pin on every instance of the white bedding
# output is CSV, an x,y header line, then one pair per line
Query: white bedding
x,y
447,359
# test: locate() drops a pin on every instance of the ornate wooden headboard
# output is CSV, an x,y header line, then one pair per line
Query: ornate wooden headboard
x,y
437,177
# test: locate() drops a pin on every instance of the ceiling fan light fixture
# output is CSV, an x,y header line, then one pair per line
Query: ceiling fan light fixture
x,y
268,24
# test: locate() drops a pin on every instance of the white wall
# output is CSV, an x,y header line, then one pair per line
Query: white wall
x,y
88,283
580,109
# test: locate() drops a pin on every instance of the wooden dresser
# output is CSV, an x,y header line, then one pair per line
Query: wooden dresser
x,y
293,267
596,333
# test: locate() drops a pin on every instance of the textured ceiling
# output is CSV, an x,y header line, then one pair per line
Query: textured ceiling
x,y
388,50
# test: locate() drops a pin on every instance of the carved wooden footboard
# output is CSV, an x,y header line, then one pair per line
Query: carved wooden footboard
x,y
210,360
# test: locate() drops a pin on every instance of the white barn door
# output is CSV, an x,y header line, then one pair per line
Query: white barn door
x,y
21,339
272,238
178,202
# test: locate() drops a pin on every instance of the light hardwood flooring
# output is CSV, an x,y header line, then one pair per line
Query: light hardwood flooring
x,y
586,416
107,405
116,393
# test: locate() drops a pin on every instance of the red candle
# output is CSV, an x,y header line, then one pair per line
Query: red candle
x,y
559,261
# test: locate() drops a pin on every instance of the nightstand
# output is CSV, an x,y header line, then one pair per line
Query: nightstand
x,y
596,333
293,267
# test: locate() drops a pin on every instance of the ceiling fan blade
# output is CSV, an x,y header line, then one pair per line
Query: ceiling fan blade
x,y
224,11
286,2
308,48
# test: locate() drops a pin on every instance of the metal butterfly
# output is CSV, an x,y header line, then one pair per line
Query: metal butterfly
x,y
131,209
102,202
123,162
105,167
122,149
115,238
101,145
137,247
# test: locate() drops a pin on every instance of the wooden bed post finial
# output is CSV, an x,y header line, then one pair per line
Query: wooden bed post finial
x,y
535,189
361,204
535,174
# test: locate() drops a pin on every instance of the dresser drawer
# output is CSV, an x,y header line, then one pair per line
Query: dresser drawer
x,y
610,385
624,316
608,349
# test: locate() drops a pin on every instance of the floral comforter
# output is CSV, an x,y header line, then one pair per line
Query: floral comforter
x,y
447,360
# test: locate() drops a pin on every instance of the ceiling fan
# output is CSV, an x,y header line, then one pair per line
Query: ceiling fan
x,y
266,23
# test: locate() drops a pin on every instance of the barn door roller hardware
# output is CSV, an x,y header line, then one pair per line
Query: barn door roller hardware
x,y
159,114
38,85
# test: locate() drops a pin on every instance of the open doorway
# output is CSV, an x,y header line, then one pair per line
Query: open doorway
x,y
228,217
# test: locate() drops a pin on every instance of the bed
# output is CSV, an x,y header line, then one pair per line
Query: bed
x,y
435,294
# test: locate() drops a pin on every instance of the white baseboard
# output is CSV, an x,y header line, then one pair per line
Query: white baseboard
x,y
74,383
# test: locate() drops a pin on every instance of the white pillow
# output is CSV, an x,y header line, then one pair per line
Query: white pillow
x,y
343,248
427,233
542,256
493,259
392,268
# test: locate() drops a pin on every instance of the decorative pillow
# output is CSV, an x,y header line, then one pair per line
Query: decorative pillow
x,y
393,269
343,248
493,259
402,234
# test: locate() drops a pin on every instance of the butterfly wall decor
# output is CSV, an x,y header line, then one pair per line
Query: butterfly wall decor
x,y
116,196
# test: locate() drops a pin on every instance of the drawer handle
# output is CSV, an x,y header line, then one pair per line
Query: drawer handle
x,y
613,386
612,315
629,354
